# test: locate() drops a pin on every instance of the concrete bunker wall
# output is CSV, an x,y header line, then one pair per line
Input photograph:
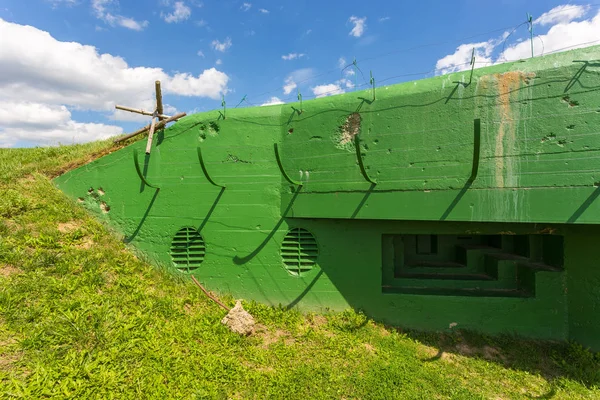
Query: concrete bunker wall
x,y
457,200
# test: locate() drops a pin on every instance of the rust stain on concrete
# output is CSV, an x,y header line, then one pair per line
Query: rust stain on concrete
x,y
509,85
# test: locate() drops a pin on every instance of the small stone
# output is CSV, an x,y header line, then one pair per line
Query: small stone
x,y
239,320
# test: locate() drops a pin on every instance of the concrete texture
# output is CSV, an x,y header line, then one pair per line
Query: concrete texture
x,y
471,202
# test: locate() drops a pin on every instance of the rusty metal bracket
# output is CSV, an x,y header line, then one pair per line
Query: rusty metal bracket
x,y
203,166
285,175
360,161
139,171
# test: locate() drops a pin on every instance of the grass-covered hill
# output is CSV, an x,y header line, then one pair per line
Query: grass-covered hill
x,y
82,317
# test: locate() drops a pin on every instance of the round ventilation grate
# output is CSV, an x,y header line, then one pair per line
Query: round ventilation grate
x,y
299,251
187,249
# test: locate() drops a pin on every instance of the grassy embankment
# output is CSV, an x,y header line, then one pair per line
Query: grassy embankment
x,y
82,317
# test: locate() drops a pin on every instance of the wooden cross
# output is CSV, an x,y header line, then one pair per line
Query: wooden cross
x,y
159,120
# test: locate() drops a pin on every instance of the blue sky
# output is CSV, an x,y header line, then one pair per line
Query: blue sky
x,y
65,63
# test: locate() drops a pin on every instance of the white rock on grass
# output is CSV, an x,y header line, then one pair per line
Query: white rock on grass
x,y
239,320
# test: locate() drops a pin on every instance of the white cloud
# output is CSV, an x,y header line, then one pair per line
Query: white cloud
x,y
200,53
246,6
346,82
130,23
67,3
561,14
346,69
302,74
330,89
560,36
221,46
289,85
272,101
14,113
383,19
360,25
200,23
292,56
297,77
564,33
460,60
51,77
219,61
327,90
70,73
99,7
264,10
180,13
48,125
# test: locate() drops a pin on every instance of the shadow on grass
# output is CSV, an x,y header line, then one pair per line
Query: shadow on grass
x,y
549,359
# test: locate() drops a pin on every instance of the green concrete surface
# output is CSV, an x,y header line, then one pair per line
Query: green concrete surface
x,y
471,201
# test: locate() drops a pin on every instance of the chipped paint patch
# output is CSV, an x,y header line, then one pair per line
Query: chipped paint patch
x,y
347,131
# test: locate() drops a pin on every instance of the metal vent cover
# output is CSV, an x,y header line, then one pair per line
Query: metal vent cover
x,y
299,251
187,249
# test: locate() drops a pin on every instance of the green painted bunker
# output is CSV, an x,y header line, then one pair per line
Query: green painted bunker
x,y
464,201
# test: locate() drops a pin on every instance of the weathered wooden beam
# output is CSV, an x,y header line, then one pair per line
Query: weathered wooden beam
x,y
139,131
150,135
159,103
135,110
160,125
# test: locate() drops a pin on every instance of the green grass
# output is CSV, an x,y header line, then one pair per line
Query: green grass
x,y
82,317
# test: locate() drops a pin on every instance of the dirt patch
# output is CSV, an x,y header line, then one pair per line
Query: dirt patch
x,y
317,321
383,331
67,227
7,270
487,352
270,337
8,355
465,350
8,359
350,128
492,353
259,368
239,320
10,224
86,244
369,347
